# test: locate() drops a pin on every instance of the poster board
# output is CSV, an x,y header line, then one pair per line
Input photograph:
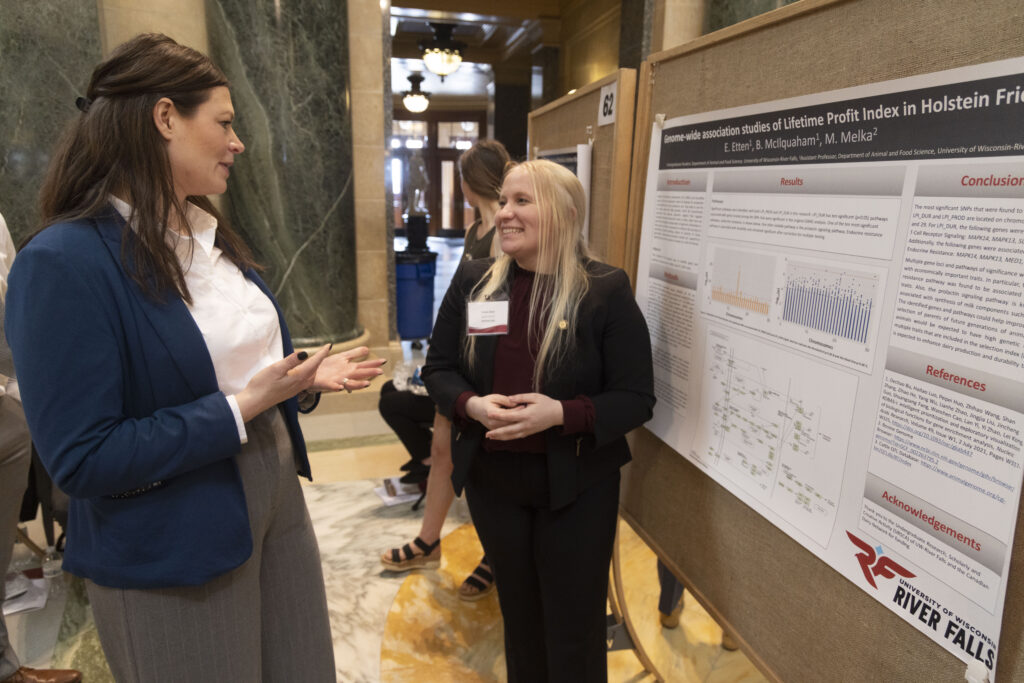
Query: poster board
x,y
577,159
600,113
798,618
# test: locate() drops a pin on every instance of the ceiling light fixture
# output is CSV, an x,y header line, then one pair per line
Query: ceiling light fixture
x,y
414,99
442,55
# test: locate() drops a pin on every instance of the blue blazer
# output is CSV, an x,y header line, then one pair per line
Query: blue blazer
x,y
120,394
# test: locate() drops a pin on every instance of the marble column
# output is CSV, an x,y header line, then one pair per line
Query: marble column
x,y
675,22
291,193
370,74
48,49
722,13
635,31
183,20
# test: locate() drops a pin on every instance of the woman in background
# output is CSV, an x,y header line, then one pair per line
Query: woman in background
x,y
481,168
539,418
162,390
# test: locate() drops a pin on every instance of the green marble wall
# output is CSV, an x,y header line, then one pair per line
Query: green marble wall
x,y
47,52
722,13
291,192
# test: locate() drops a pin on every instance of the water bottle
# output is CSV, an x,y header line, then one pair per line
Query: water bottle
x,y
53,566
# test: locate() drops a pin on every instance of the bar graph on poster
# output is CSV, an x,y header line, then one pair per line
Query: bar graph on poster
x,y
742,280
816,305
835,290
836,302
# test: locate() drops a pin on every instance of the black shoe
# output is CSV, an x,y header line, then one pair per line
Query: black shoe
x,y
416,476
409,465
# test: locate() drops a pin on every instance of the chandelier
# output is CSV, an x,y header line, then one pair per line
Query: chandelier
x,y
414,99
442,55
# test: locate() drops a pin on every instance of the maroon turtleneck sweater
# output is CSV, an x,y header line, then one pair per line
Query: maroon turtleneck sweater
x,y
514,361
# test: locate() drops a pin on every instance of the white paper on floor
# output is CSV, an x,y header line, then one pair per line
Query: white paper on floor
x,y
393,492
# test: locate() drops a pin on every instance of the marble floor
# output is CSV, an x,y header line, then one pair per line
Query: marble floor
x,y
411,627
432,635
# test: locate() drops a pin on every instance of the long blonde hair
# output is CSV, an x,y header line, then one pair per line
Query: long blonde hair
x,y
561,281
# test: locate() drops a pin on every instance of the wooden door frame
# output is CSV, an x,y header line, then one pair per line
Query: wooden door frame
x,y
432,157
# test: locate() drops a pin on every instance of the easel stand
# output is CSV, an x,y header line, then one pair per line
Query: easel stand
x,y
621,632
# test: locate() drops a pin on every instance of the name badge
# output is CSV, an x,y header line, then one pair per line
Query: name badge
x,y
487,317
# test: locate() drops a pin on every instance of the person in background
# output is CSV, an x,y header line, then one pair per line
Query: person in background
x,y
409,412
670,597
15,460
162,390
670,604
481,168
539,417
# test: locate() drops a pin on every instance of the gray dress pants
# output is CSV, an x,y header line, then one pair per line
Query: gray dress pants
x,y
263,621
15,459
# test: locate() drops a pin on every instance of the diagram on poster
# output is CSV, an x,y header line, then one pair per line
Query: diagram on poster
x,y
775,431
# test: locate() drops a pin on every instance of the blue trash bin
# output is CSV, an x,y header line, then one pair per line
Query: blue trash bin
x,y
414,277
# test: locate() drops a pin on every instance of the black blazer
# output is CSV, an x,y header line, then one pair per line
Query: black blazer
x,y
611,365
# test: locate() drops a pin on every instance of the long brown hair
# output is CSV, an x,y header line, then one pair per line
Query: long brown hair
x,y
482,166
114,148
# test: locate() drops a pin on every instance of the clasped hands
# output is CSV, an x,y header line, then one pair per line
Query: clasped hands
x,y
515,417
300,372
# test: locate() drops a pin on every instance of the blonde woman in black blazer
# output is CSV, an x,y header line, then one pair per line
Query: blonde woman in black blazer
x,y
539,418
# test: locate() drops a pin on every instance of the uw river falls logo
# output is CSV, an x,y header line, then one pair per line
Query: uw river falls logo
x,y
874,563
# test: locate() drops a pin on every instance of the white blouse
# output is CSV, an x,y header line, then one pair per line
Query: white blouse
x,y
238,322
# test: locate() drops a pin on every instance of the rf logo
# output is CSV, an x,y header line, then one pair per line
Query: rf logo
x,y
872,565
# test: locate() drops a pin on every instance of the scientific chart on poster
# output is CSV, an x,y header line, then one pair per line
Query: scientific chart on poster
x,y
834,286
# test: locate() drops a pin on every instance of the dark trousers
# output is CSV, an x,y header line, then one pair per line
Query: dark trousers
x,y
410,416
550,567
671,590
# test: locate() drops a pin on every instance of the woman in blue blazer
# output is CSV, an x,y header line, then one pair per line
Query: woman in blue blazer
x,y
540,401
162,390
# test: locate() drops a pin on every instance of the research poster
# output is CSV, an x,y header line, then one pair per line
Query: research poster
x,y
578,160
834,286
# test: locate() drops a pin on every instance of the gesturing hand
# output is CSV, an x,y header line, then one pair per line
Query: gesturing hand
x,y
278,382
340,371
530,414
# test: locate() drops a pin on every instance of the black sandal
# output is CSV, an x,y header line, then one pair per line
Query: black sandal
x,y
403,559
479,584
